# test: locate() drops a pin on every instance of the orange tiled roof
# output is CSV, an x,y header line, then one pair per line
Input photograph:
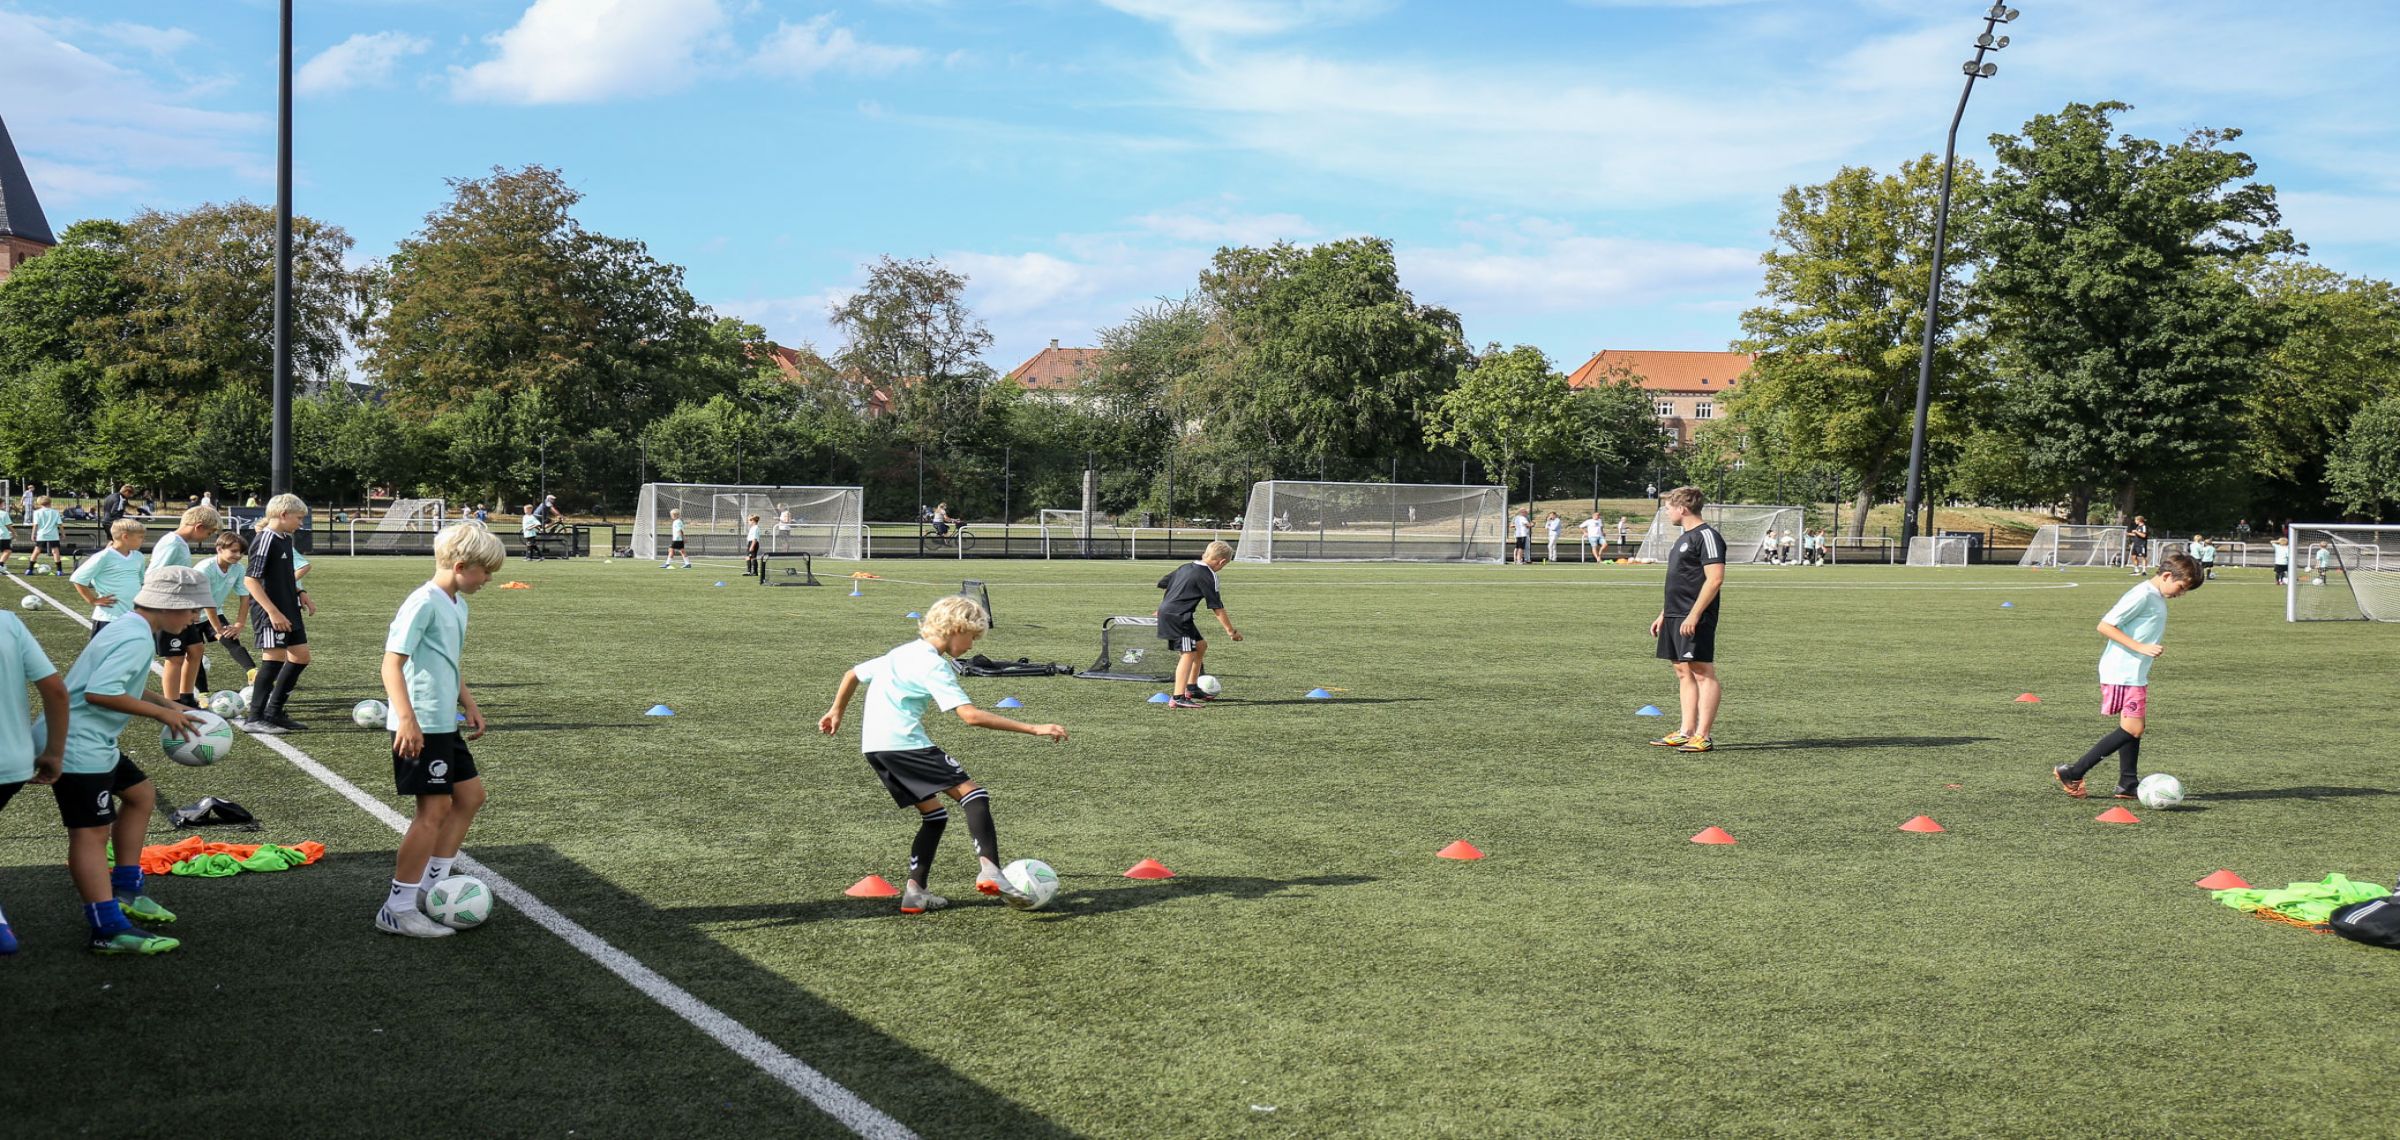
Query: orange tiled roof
x,y
1663,371
1057,369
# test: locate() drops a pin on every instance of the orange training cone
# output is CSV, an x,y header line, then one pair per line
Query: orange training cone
x,y
1713,834
1459,849
1921,823
2117,815
2222,881
1149,869
2028,699
872,887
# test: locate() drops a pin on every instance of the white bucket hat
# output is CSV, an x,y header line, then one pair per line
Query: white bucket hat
x,y
174,588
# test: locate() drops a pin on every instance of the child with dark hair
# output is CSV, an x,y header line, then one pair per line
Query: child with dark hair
x,y
2135,628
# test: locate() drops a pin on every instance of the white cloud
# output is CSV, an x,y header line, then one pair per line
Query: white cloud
x,y
1220,224
1575,273
1198,23
89,128
821,45
156,41
578,51
364,60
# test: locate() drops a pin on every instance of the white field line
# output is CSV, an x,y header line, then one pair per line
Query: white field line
x,y
822,1091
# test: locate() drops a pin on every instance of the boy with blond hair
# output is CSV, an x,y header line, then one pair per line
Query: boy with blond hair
x,y
24,759
275,612
179,650
424,694
225,623
1686,626
45,521
675,540
113,574
1188,587
903,685
2135,628
750,548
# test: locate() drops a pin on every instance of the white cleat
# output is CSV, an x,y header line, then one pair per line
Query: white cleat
x,y
411,922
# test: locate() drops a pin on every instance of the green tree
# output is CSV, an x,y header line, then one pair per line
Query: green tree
x,y
1839,337
909,335
2364,471
52,309
2338,350
2127,343
1511,405
230,447
202,315
42,422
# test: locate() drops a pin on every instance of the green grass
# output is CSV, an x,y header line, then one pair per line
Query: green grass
x,y
2029,972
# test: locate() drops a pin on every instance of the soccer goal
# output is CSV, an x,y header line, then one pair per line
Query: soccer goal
x,y
2068,544
1373,522
1064,532
1937,550
826,522
2343,573
1130,650
407,524
1744,525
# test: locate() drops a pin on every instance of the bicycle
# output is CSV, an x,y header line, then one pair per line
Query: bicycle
x,y
959,541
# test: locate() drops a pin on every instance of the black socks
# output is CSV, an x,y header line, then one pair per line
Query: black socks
x,y
2116,739
263,687
978,806
284,681
929,836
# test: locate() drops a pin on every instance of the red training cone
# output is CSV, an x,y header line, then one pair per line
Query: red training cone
x,y
2028,699
872,887
1459,849
2222,881
1149,869
2117,815
1713,834
1921,823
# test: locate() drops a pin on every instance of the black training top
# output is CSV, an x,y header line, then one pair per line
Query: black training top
x,y
1187,586
1687,568
271,564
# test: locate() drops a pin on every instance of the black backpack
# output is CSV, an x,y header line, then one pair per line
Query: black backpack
x,y
2375,922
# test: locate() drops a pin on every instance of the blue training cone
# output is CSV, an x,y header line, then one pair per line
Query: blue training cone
x,y
1319,695
854,589
1648,710
913,614
1159,698
659,710
2008,605
1009,703
720,583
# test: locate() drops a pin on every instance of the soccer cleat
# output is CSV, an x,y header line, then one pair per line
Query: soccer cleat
x,y
666,566
412,922
1671,740
1005,893
257,727
2125,794
2071,787
917,900
1697,744
286,723
8,939
143,908
1183,703
132,940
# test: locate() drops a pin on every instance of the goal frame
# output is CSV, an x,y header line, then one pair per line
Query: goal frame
x,y
1481,525
842,538
2379,561
1745,548
2107,549
1105,667
1928,550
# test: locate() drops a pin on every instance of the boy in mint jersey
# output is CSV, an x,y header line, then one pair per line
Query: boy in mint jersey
x,y
2136,629
25,759
45,521
179,649
109,578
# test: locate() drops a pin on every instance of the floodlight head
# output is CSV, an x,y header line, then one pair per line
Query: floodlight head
x,y
1990,70
2003,42
2010,18
1998,12
1968,67
1984,40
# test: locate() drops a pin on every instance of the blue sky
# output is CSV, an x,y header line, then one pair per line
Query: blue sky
x,y
1574,174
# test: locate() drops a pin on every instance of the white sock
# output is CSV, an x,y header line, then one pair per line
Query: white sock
x,y
436,869
403,897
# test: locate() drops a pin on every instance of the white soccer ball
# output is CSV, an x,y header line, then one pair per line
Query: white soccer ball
x,y
202,748
1033,879
367,713
2159,790
1209,684
460,902
30,602
227,703
1134,656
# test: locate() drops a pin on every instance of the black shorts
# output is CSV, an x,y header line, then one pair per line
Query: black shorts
x,y
86,799
443,764
1181,632
752,549
176,642
2139,547
8,791
1699,649
676,546
46,546
270,637
915,775
8,546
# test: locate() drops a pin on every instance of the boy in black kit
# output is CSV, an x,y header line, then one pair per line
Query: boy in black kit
x,y
1187,586
1686,627
275,611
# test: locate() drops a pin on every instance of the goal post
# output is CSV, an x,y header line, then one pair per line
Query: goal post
x,y
1744,525
2069,544
2343,573
1292,520
824,522
405,525
1937,550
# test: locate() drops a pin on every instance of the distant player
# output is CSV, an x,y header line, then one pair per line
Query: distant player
x,y
902,686
1686,627
529,528
1550,527
8,538
424,693
1791,539
2137,545
180,650
24,759
1521,529
103,797
675,547
750,547
1188,587
1595,537
2283,559
109,578
2135,628
275,612
2323,557
45,520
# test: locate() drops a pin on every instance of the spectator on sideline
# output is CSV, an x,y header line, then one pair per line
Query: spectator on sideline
x,y
1595,537
116,505
1551,525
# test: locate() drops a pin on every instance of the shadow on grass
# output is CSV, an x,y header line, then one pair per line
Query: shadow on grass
x,y
1238,702
1072,903
2310,792
1854,742
540,1038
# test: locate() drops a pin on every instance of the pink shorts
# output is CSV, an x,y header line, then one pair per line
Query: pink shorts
x,y
2125,700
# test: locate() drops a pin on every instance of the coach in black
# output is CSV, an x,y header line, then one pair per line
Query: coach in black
x,y
1686,627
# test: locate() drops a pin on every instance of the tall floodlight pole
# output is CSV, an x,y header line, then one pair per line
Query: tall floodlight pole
x,y
1976,69
279,470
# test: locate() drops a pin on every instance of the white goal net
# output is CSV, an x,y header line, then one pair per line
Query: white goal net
x,y
1744,525
1937,550
824,522
1063,530
2343,573
2067,544
405,525
1373,522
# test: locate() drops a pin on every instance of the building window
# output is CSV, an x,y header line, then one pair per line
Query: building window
x,y
1702,410
1665,407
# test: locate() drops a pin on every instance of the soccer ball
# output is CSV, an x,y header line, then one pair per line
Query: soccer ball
x,y
1209,684
460,902
227,704
2159,790
31,602
1134,656
202,748
1033,879
367,713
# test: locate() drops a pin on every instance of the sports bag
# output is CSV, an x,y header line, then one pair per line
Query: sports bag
x,y
2375,922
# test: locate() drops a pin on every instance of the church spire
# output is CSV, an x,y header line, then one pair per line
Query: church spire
x,y
20,212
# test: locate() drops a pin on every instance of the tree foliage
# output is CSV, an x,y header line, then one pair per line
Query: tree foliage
x,y
2364,471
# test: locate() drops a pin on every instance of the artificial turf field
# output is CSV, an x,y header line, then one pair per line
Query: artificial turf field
x,y
1314,970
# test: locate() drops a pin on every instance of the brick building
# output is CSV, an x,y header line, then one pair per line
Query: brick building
x,y
24,232
1056,371
1687,389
